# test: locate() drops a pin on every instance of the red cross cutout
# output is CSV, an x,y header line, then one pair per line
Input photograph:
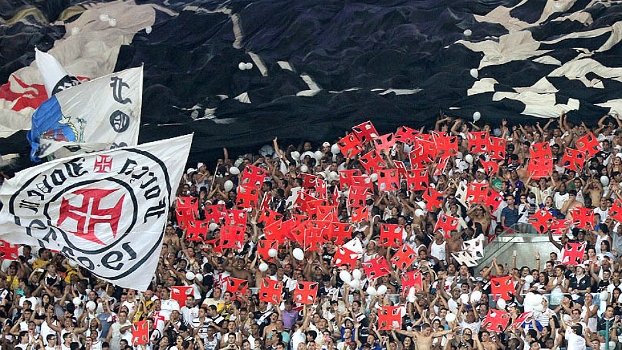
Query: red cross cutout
x,y
503,286
326,212
493,199
377,267
231,236
417,179
389,318
372,161
248,197
321,188
540,150
236,217
350,146
9,251
446,224
184,216
180,293
305,292
406,135
314,236
340,232
490,167
196,230
496,320
560,226
412,279
542,220
573,159
583,218
185,202
253,176
573,253
589,144
344,256
271,291
447,146
269,216
384,142
401,168
215,243
615,212
391,235
275,231
540,167
357,196
404,257
477,193
433,199
264,245
89,214
346,177
388,180
359,214
424,152
363,181
496,149
365,132
441,164
298,232
308,180
236,286
140,332
103,164
518,323
216,212
478,142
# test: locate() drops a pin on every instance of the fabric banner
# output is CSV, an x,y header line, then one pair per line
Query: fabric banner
x,y
105,210
100,114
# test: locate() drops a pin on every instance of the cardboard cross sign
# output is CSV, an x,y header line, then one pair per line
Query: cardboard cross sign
x,y
503,286
377,267
496,148
404,257
271,291
573,253
305,292
412,279
350,146
542,219
573,159
140,332
391,235
365,132
589,144
496,320
389,317
372,161
583,218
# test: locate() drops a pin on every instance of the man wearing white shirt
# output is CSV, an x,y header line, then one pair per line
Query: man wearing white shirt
x,y
168,304
575,338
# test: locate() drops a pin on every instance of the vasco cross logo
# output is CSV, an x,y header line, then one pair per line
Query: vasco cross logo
x,y
111,222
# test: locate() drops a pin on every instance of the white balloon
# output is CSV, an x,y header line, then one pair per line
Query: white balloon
x,y
374,177
468,158
381,289
298,254
345,276
476,296
77,301
249,66
190,275
333,176
91,305
474,73
467,32
476,116
241,66
371,290
334,149
318,155
419,213
272,252
148,29
228,185
464,298
73,263
295,155
450,317
234,170
356,284
304,168
356,274
529,279
501,304
213,226
199,277
604,180
263,267
604,295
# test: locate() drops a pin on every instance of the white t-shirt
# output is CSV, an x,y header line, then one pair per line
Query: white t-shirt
x,y
575,342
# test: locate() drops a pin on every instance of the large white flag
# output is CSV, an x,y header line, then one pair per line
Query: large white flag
x,y
104,210
99,114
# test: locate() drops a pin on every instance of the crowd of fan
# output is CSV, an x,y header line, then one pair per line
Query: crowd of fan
x,y
49,302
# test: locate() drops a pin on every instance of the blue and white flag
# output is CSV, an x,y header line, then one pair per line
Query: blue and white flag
x,y
100,114
105,210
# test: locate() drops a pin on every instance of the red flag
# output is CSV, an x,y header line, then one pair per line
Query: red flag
x,y
389,317
248,196
344,256
478,142
406,135
231,237
388,180
346,177
496,149
433,199
490,167
541,150
140,332
391,235
583,218
615,212
384,142
305,292
271,291
236,286
446,224
540,167
417,179
340,232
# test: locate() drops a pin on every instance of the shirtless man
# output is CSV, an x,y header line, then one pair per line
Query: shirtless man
x,y
570,204
487,342
172,239
425,337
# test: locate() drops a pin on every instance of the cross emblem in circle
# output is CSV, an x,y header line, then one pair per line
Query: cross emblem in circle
x,y
103,164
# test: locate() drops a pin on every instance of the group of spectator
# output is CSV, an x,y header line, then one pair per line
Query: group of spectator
x,y
48,302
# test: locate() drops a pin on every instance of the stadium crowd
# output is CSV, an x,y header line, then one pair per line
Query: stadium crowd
x,y
48,302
